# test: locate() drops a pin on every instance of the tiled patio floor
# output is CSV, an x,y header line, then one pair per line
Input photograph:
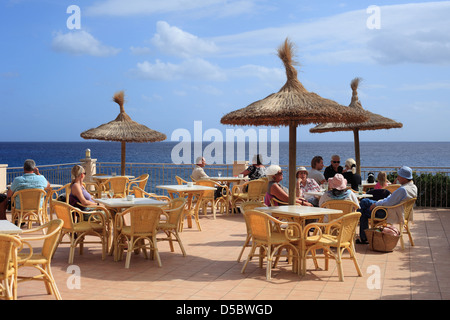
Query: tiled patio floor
x,y
210,270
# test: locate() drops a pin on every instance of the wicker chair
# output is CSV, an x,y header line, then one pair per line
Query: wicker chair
x,y
408,206
118,184
328,239
42,260
392,187
180,180
255,192
9,246
140,193
250,205
268,235
142,227
170,227
209,200
140,182
79,224
32,207
54,195
346,206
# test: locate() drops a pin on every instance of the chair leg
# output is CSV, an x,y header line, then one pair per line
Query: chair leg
x,y
249,257
247,241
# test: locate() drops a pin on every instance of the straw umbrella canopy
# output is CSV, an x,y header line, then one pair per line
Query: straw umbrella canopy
x,y
375,122
292,106
123,129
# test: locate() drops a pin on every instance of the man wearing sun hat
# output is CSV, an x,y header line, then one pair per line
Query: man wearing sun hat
x,y
408,190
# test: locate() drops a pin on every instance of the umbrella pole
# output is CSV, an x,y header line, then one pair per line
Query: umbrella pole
x,y
122,163
292,161
357,153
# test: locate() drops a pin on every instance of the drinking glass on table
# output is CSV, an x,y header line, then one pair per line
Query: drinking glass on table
x,y
219,173
360,189
111,193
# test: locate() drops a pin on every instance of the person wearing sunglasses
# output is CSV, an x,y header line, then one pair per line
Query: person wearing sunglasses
x,y
334,167
276,190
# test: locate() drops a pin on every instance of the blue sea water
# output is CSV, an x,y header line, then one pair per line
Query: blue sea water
x,y
414,154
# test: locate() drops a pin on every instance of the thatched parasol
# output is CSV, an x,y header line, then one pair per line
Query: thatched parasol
x,y
123,129
375,122
293,105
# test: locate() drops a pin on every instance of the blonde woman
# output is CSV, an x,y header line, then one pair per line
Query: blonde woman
x,y
350,174
79,197
382,180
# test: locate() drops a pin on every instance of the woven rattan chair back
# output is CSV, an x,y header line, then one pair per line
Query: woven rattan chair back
x,y
144,219
8,266
28,204
118,184
180,180
346,206
392,187
348,222
140,182
63,212
176,209
255,188
259,225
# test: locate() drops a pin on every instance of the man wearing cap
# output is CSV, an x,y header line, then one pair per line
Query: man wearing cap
x,y
408,190
198,173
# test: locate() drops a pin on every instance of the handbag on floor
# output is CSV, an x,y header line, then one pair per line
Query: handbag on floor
x,y
383,239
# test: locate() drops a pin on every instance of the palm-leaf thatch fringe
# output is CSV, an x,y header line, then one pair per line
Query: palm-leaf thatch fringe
x,y
293,104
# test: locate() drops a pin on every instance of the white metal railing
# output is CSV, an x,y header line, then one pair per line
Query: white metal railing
x,y
433,183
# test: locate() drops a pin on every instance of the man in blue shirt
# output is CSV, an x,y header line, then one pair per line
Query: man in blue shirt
x,y
31,179
408,190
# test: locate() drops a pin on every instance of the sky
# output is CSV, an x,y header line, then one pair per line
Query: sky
x,y
184,64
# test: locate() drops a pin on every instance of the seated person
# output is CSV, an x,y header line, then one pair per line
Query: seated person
x,y
79,197
31,179
305,184
256,170
338,191
276,190
316,167
382,181
333,168
408,190
349,173
198,173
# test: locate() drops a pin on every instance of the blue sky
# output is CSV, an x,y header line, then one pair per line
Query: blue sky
x,y
181,61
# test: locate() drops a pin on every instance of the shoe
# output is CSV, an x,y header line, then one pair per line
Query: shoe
x,y
359,241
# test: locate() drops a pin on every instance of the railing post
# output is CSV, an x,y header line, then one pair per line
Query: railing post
x,y
3,177
89,165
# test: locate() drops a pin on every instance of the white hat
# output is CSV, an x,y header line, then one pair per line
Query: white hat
x,y
299,169
273,170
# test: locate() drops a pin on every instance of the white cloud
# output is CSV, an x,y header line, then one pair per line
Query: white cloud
x,y
411,33
194,69
81,43
176,42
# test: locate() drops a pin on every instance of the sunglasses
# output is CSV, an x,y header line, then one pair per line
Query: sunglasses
x,y
336,161
281,172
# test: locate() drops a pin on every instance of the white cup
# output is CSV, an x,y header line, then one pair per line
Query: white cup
x,y
241,175
190,184
130,197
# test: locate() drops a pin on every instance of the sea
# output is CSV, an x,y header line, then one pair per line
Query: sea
x,y
373,154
